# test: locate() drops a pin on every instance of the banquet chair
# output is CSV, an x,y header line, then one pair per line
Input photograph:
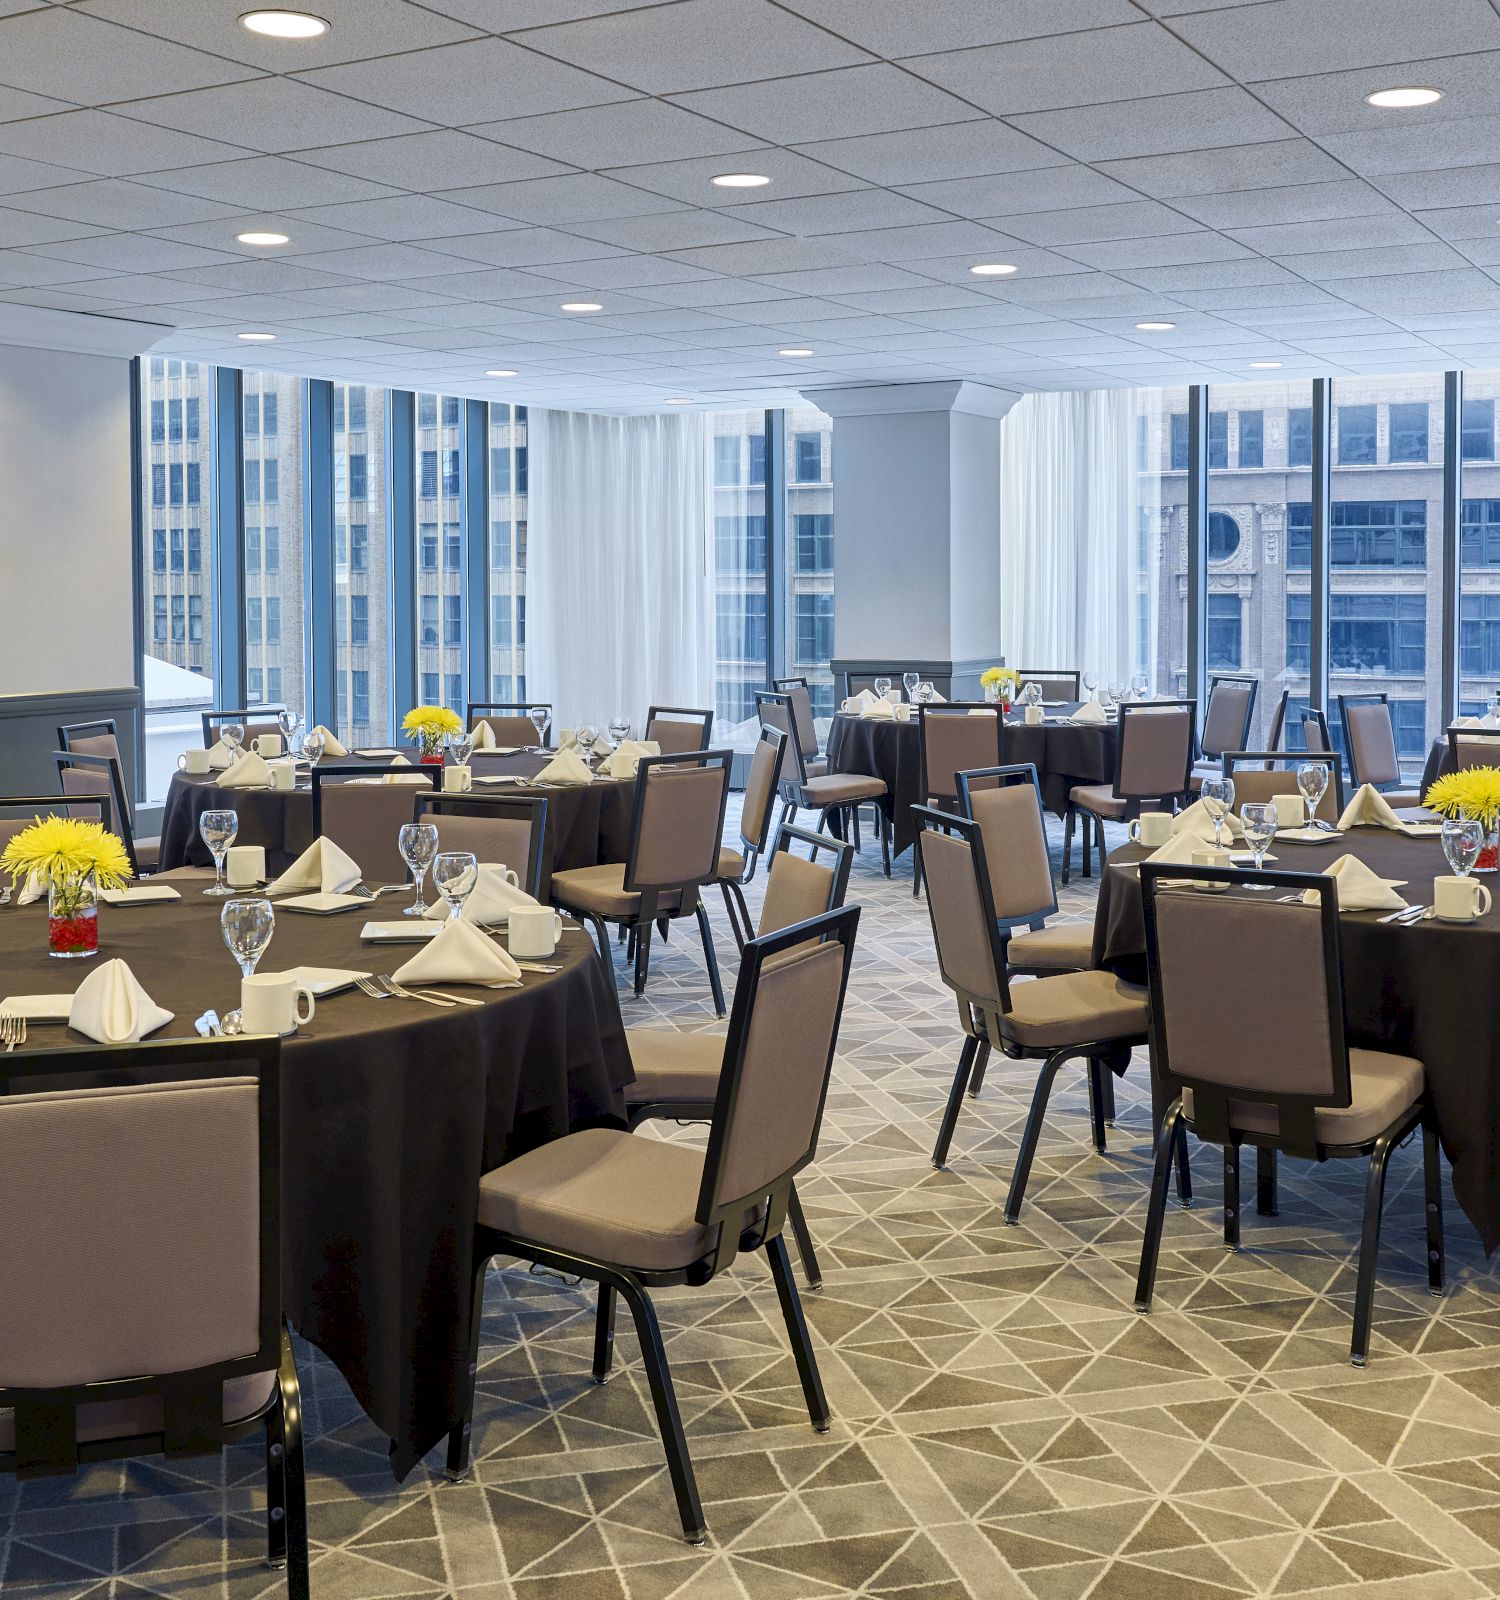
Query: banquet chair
x,y
950,741
1055,683
252,720
509,720
1370,746
678,730
676,824
1093,1014
804,723
102,739
1278,721
634,1214
737,867
1232,1070
1226,723
29,808
510,830
141,1257
1473,747
1258,779
364,819
1153,755
103,778
836,794
1315,735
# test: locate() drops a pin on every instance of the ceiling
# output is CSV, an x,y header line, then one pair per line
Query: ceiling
x,y
450,171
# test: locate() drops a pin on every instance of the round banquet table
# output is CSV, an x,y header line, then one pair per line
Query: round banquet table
x,y
391,1112
586,826
1064,754
1424,991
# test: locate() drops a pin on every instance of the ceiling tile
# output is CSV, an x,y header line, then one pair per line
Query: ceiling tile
x,y
926,240
1344,233
27,227
1173,249
1002,195
421,161
385,260
1135,220
1439,144
956,150
524,247
108,146
117,203
128,253
19,176
305,236
411,218
766,255
1256,166
1250,208
265,183
858,279
1163,124
1458,186
1329,263
691,182
886,26
596,136
574,197
850,212
1334,102
674,230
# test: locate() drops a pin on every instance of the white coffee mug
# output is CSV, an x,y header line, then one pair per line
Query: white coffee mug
x,y
534,931
1290,811
194,762
902,711
245,865
267,745
457,780
283,775
1460,899
848,705
1034,716
1209,857
269,1003
1151,829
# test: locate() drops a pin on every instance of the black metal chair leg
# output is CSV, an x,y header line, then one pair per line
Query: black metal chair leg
x,y
916,869
976,1077
604,1333
1088,844
801,1340
1265,1182
1034,1120
275,1491
1069,817
459,1438
803,1235
1432,1175
1232,1195
1094,1074
294,1475
955,1100
1369,1251
854,829
668,1417
1167,1139
710,958
732,912
884,825
1184,1172
642,932
1107,1086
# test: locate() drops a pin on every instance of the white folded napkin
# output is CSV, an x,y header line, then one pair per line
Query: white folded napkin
x,y
220,756
878,710
331,746
34,889
1466,722
622,762
1359,888
459,953
1196,820
399,760
1180,847
1369,808
862,701
567,766
322,866
484,736
493,899
402,777
935,699
1488,720
111,1007
249,772
1090,713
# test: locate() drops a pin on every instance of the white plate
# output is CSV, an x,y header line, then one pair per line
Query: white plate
x,y
38,1007
323,904
1307,836
141,896
411,930
1245,858
377,752
325,980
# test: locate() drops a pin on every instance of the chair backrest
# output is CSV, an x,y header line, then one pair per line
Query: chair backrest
x,y
1154,752
678,730
1215,960
678,820
141,1252
256,720
970,949
100,738
1006,802
760,790
1369,739
1315,735
508,829
778,1057
800,703
1278,721
102,778
1226,720
1473,747
800,887
775,712
509,720
364,819
19,811
1260,775
1055,683
955,738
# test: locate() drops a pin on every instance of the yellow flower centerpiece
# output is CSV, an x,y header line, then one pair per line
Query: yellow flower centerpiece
x,y
1000,683
429,726
1474,793
72,860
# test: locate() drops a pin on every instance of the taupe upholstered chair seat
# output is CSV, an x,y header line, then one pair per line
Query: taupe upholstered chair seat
x,y
1101,799
1382,1087
141,1417
1066,946
673,1066
731,863
1401,797
1074,1008
841,788
1202,770
148,851
602,891
607,1195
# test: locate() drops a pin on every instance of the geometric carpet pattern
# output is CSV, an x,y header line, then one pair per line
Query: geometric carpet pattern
x,y
1005,1425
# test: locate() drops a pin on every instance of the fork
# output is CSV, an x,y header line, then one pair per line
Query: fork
x,y
12,1031
370,987
426,994
401,993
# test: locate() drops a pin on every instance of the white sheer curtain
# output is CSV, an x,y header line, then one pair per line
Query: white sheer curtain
x,y
1068,531
619,608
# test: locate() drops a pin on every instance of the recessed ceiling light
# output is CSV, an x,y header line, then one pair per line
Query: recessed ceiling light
x,y
262,238
1155,327
1264,366
1403,99
284,24
993,269
581,305
500,372
741,180
257,338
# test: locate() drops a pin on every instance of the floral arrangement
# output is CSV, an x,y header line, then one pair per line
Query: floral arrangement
x,y
1000,683
429,726
1474,793
62,853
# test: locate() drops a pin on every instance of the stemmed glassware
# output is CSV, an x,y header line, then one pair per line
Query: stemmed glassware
x,y
247,926
312,747
418,843
233,736
461,747
925,691
218,830
1259,823
1116,692
540,717
455,873
882,687
1091,683
584,738
1139,686
1312,781
1463,839
619,730
1217,795
909,682
290,723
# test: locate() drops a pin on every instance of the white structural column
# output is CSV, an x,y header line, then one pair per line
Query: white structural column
x,y
916,484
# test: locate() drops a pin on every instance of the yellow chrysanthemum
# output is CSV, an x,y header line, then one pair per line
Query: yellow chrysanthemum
x,y
54,849
433,721
992,677
1473,792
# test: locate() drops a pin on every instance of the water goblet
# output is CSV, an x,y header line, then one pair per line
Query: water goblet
x,y
1217,795
1140,686
1463,839
1091,683
1259,823
461,747
290,723
882,687
233,736
1117,691
925,691
584,738
540,717
1312,782
218,830
312,747
418,843
455,873
909,682
247,926
619,730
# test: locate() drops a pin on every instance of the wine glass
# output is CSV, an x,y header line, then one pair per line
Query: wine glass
x,y
584,738
1259,823
540,717
619,730
247,926
290,723
882,687
1217,795
1312,780
233,736
925,691
909,682
1139,686
461,747
455,873
1091,682
418,843
1463,839
219,830
312,747
1117,691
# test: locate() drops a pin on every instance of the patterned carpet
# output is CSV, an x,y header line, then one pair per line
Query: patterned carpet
x,y
1006,1425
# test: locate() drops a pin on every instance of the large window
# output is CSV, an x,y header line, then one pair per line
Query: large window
x,y
740,635
1479,544
440,550
275,669
361,554
507,563
1161,531
809,563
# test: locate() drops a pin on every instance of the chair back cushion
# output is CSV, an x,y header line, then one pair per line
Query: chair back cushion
x,y
95,744
365,819
1226,722
760,795
1054,685
681,810
1154,749
1312,736
1372,742
964,950
1015,851
509,728
1256,786
802,718
679,736
506,840
1477,749
796,890
954,742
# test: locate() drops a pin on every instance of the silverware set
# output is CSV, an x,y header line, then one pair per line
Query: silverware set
x,y
382,986
1410,916
12,1031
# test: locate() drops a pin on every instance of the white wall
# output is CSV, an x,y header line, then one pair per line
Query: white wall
x,y
65,558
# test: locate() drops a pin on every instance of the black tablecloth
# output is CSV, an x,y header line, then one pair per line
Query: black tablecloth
x,y
391,1111
1063,754
1425,991
585,826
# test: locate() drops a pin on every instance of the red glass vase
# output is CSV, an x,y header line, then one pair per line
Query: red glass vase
x,y
72,918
